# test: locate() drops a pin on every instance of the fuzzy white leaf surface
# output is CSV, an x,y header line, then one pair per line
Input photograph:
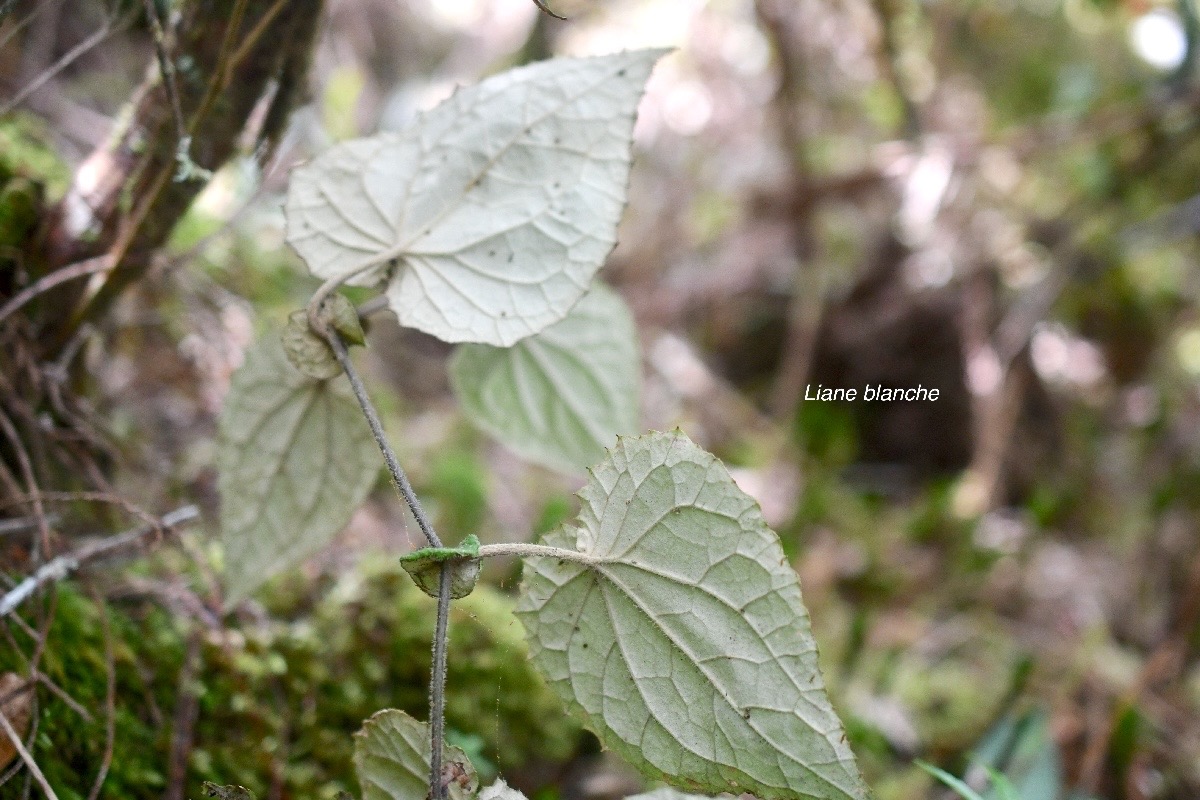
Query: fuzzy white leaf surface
x,y
682,639
667,793
295,459
488,217
561,396
501,791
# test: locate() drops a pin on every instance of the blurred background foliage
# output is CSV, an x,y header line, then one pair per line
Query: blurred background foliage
x,y
994,199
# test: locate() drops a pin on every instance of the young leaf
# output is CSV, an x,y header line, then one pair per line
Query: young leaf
x,y
295,459
391,757
425,567
501,791
681,639
496,207
558,397
306,351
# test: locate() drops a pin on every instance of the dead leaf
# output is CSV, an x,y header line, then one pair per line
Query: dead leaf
x,y
17,709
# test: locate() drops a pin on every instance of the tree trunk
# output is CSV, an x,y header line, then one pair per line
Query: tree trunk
x,y
239,69
229,56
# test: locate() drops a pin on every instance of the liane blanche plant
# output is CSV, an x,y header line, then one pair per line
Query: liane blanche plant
x,y
666,615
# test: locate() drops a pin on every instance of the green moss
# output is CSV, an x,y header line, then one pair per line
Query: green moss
x,y
24,153
954,699
286,694
20,205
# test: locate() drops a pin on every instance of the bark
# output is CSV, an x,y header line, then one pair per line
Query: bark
x,y
239,69
228,57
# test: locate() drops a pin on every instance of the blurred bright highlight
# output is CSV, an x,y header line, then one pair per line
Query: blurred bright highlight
x,y
1158,39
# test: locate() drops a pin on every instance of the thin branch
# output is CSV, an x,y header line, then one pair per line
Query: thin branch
x,y
886,11
86,497
545,9
26,629
67,563
437,687
437,678
24,688
61,694
183,724
79,269
19,746
20,26
70,56
31,486
23,524
806,307
256,33
399,479
180,600
166,68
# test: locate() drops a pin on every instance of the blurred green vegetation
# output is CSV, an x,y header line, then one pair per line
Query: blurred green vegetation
x,y
1048,631
278,695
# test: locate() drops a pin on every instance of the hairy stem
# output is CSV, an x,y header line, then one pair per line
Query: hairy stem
x,y
399,478
437,676
377,303
537,551
437,688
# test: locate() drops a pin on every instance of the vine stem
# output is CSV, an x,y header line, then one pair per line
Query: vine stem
x,y
399,478
437,675
437,687
331,285
536,551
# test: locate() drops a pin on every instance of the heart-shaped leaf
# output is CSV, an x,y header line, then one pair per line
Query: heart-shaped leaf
x,y
391,757
489,215
560,396
295,459
681,637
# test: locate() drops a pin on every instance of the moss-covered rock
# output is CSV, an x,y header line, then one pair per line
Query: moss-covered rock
x,y
280,698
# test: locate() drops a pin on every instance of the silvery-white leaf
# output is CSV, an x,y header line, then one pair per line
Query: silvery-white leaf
x,y
558,397
295,459
501,791
682,639
488,216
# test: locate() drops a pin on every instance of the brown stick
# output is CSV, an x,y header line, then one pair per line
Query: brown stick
x,y
19,746
64,565
45,283
187,710
806,306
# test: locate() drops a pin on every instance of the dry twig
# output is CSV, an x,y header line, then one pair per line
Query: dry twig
x,y
34,770
67,563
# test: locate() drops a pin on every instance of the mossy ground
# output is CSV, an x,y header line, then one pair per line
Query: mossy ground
x,y
280,697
